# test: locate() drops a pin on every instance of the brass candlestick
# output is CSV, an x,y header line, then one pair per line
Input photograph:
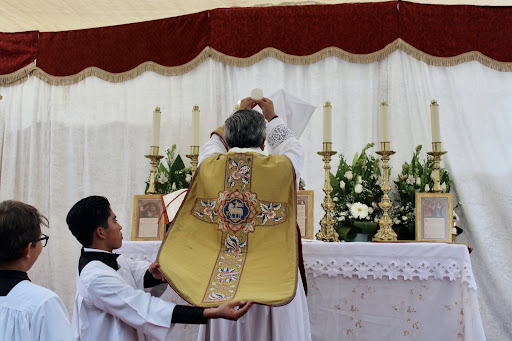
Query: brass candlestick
x,y
154,159
327,232
193,156
436,153
385,231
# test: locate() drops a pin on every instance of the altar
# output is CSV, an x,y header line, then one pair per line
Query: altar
x,y
384,291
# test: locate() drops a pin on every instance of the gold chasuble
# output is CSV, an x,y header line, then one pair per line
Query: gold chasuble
x,y
235,236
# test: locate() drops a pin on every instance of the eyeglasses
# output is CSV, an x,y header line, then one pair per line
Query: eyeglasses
x,y
44,239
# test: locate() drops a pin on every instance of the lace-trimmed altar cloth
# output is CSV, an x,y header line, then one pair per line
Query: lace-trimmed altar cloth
x,y
381,260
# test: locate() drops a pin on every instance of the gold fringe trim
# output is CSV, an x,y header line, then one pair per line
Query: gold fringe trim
x,y
17,77
208,52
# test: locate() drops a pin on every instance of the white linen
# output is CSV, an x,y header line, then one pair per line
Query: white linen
x,y
293,110
112,305
33,313
59,144
382,291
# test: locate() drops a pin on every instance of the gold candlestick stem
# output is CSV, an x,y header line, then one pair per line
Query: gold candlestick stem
x,y
193,156
385,232
436,153
327,232
154,159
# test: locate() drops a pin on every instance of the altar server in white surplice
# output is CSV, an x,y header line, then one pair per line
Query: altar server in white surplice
x,y
28,312
111,302
262,323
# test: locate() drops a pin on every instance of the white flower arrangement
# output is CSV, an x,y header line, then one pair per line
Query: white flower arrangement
x,y
171,174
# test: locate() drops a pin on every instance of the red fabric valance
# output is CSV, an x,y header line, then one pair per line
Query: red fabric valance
x,y
304,30
17,50
356,32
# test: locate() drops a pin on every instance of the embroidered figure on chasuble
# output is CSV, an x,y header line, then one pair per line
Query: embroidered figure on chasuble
x,y
226,238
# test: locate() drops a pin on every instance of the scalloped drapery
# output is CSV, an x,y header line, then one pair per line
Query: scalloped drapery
x,y
443,35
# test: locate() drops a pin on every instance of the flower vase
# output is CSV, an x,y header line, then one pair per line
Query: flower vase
x,y
347,233
365,230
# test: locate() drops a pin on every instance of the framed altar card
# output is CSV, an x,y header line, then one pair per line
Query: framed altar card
x,y
146,222
434,217
305,201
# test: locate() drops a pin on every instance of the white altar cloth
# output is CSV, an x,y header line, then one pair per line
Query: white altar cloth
x,y
383,291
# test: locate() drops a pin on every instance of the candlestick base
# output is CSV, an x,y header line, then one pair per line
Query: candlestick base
x,y
154,160
193,156
327,232
385,232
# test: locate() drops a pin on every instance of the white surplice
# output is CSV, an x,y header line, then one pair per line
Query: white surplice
x,y
264,323
33,313
112,305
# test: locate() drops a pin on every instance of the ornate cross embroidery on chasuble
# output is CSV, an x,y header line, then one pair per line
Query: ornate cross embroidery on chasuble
x,y
234,237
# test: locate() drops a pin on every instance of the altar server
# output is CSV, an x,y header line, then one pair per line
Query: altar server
x,y
245,132
28,312
110,302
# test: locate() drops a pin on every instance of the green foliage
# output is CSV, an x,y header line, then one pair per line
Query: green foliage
x,y
171,174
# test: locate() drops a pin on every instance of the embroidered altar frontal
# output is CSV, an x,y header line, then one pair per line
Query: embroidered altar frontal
x,y
235,237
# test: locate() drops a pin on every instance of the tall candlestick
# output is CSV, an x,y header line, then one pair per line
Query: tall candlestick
x,y
434,117
155,136
327,122
195,126
384,122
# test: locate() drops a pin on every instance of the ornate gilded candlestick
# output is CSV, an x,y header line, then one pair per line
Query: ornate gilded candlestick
x,y
154,159
193,156
327,232
385,232
436,153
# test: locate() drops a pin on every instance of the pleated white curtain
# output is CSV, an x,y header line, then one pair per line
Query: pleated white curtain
x,y
60,144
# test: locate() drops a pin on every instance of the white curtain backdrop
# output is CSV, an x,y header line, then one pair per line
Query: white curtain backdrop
x,y
60,144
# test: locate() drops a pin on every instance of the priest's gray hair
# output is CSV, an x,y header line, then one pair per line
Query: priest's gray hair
x,y
245,129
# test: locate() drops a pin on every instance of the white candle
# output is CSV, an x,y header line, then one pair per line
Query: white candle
x,y
434,117
384,122
155,136
195,126
327,122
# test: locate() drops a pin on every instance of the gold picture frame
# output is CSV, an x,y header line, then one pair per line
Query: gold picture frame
x,y
434,217
305,213
147,220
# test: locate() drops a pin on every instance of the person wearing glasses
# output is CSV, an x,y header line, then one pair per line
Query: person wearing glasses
x,y
110,302
28,312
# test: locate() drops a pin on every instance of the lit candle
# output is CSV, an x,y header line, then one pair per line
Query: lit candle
x,y
434,116
195,126
327,122
155,136
384,122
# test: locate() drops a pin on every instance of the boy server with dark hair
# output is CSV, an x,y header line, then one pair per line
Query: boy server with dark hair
x,y
111,303
27,311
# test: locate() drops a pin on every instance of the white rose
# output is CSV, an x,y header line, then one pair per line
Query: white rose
x,y
427,188
443,187
404,218
358,188
370,210
341,218
342,184
376,220
188,177
335,199
418,181
396,221
348,175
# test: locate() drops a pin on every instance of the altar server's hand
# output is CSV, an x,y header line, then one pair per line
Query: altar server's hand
x,y
247,103
267,106
154,269
228,310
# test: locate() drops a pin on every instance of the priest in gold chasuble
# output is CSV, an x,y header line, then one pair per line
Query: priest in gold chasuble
x,y
235,235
